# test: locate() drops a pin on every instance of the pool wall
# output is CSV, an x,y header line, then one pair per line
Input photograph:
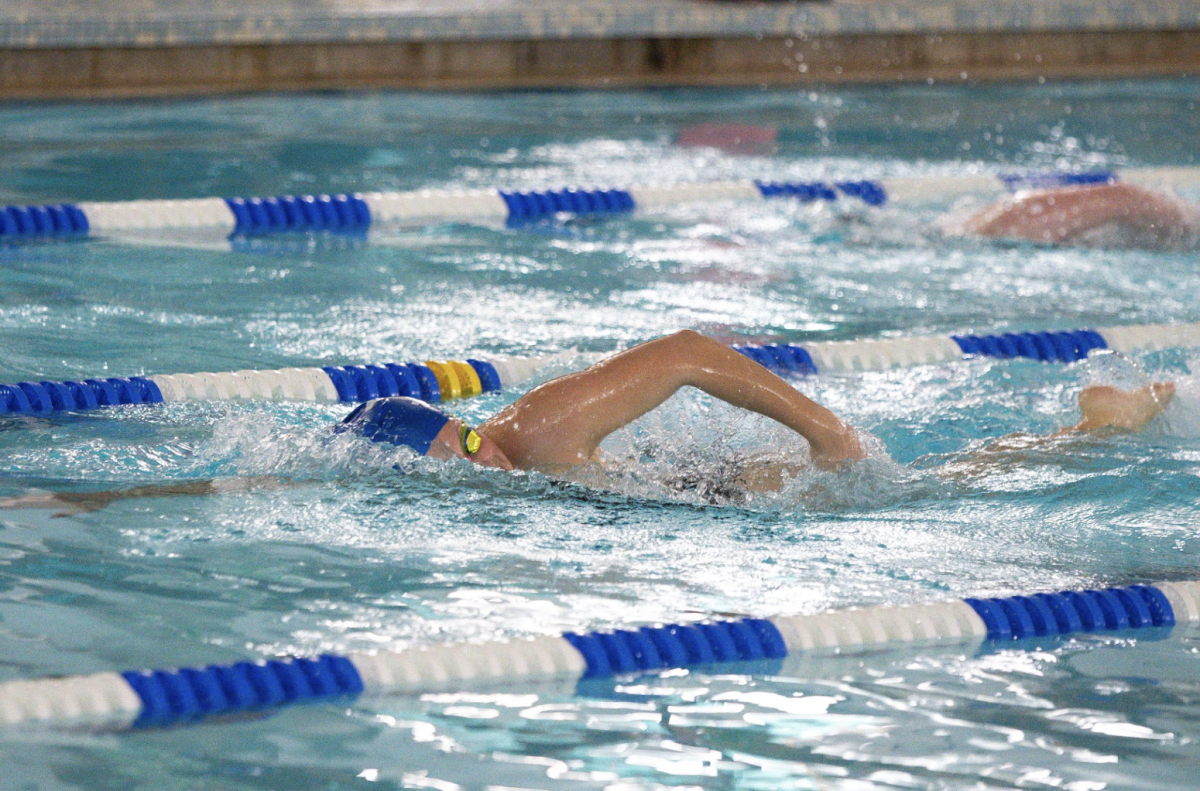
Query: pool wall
x,y
169,47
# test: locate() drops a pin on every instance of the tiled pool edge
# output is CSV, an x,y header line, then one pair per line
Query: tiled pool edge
x,y
590,43
97,72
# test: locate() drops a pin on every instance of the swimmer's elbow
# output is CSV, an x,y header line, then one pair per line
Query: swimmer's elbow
x,y
687,338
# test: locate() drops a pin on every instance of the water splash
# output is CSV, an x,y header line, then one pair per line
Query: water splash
x,y
1182,416
697,451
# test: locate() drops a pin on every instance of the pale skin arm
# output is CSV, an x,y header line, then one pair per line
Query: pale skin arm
x,y
82,502
1101,407
1057,216
562,422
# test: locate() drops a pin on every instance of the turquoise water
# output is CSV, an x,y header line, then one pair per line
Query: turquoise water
x,y
355,556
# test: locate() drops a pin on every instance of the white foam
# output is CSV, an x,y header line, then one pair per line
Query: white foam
x,y
1181,418
1106,367
698,451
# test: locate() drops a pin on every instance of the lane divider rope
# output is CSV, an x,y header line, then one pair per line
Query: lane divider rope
x,y
151,698
356,213
436,381
433,381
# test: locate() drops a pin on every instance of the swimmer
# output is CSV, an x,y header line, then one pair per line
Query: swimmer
x,y
558,426
1116,215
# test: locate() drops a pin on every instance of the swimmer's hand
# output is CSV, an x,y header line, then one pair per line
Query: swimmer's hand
x,y
841,447
1125,410
1102,406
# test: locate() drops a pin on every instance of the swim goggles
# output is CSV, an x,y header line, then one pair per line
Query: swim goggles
x,y
469,439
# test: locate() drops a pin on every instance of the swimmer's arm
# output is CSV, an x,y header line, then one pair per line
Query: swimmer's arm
x,y
83,502
563,421
1105,407
1101,408
1057,215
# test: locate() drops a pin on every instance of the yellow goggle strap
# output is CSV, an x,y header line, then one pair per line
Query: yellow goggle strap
x,y
470,440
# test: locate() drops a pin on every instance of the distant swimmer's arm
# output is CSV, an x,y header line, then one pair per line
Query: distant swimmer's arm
x,y
562,422
1101,408
1057,216
1105,407
70,503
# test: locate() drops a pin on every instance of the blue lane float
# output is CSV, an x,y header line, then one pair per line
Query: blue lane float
x,y
526,206
1063,347
331,213
871,193
435,381
59,219
782,358
355,213
1073,612
155,698
40,398
187,694
1029,181
651,648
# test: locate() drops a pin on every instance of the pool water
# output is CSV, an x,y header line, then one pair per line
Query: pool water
x,y
356,556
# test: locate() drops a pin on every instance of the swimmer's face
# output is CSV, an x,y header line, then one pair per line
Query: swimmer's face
x,y
448,445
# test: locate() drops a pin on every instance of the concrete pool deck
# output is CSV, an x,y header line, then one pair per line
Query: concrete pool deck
x,y
164,47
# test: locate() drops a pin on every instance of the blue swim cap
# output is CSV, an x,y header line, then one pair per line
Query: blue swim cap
x,y
398,420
